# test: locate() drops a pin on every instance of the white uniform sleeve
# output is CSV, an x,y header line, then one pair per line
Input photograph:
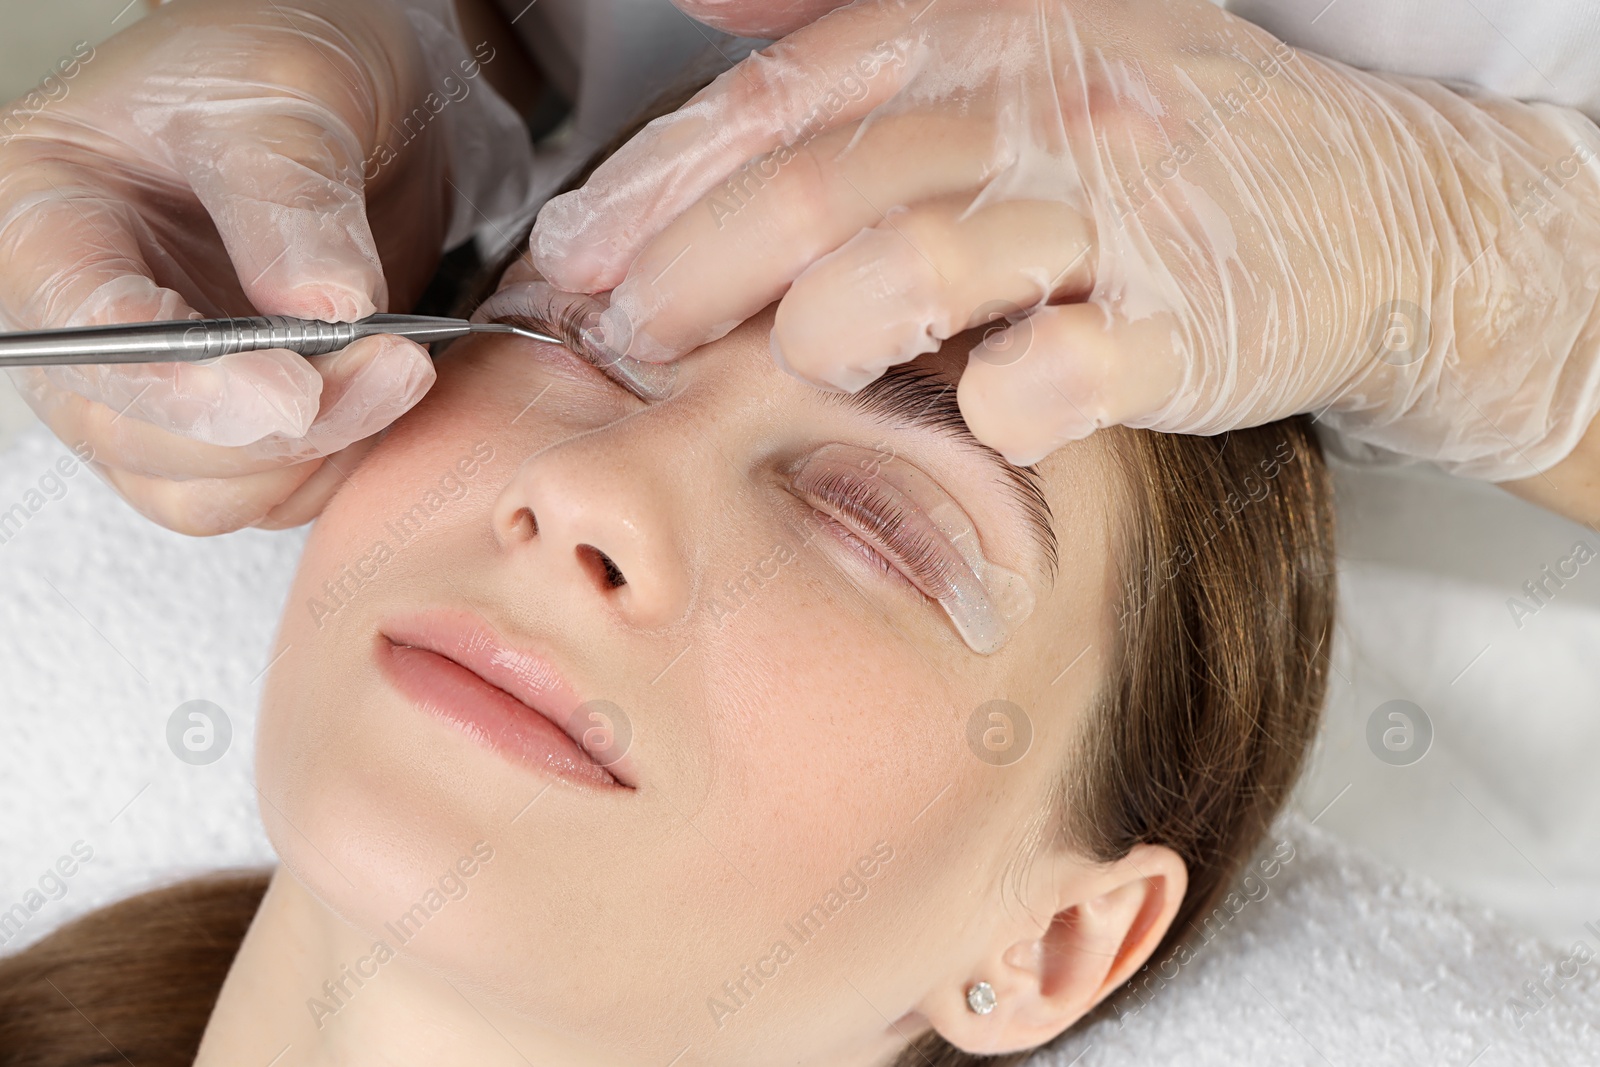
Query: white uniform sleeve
x,y
611,58
491,159
1524,49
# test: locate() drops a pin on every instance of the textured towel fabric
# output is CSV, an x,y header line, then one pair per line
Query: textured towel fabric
x,y
1341,960
109,623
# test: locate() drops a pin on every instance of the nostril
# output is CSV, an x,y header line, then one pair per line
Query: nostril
x,y
523,524
601,562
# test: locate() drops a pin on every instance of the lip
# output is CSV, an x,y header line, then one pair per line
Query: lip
x,y
508,699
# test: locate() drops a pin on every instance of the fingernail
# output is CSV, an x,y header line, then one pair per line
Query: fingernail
x,y
613,332
127,298
331,303
249,396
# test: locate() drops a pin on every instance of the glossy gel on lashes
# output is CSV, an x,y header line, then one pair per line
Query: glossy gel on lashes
x,y
984,600
543,301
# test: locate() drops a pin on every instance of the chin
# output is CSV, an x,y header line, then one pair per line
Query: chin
x,y
359,805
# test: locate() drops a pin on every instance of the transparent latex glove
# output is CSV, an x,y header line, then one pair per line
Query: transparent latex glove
x,y
1211,229
226,157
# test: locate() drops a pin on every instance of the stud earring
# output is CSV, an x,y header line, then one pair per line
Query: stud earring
x,y
980,998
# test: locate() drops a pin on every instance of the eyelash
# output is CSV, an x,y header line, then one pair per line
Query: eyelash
x,y
862,506
567,325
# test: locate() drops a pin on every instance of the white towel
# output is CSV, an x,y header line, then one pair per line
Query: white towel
x,y
107,624
1341,960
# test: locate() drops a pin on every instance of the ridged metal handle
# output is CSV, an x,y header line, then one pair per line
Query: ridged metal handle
x,y
309,337
191,341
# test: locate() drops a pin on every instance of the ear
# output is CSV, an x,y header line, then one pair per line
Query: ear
x,y
1050,965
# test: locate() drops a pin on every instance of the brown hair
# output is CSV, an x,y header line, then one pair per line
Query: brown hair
x,y
1214,690
1212,698
133,982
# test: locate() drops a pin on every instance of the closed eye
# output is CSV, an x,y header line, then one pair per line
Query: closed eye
x,y
867,521
575,318
563,327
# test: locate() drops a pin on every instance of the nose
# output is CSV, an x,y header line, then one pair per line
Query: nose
x,y
586,520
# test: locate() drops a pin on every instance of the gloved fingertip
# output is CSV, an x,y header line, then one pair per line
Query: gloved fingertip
x,y
1005,346
621,333
396,375
371,383
233,402
775,345
412,371
571,272
558,248
1025,445
1024,456
1019,415
128,298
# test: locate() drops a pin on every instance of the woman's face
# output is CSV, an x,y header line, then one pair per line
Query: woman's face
x,y
800,804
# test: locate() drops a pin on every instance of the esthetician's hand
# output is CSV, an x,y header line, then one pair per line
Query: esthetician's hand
x,y
228,157
1211,229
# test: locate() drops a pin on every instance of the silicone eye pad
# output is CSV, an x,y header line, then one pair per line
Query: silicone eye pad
x,y
984,600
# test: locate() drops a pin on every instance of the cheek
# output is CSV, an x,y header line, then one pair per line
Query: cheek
x,y
827,730
837,705
809,693
841,789
318,748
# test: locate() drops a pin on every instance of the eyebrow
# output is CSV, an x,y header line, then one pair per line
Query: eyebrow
x,y
918,398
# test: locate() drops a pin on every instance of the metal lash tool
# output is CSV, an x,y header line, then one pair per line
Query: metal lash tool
x,y
197,340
